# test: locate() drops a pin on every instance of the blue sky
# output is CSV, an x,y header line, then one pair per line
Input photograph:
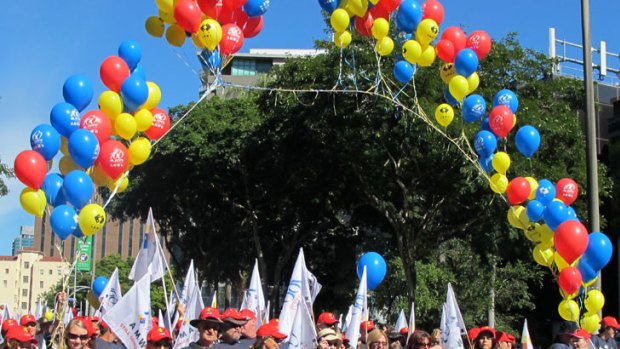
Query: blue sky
x,y
44,42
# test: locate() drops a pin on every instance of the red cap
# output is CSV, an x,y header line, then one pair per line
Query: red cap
x,y
483,329
581,333
502,337
610,321
20,334
89,325
473,333
511,339
157,334
207,314
27,319
367,325
327,318
94,318
7,324
404,330
248,314
233,316
344,338
275,322
104,325
269,330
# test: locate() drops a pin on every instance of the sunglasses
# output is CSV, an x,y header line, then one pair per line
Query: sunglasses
x,y
74,336
165,344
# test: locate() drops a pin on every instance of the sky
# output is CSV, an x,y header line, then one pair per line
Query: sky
x,y
44,42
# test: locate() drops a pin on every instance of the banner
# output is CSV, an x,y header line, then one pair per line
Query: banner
x,y
84,254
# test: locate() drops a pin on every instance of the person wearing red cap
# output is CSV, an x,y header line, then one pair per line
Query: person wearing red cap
x,y
7,324
77,334
485,338
208,325
158,337
365,328
30,322
326,320
248,331
606,339
230,332
579,339
505,340
20,337
268,337
108,339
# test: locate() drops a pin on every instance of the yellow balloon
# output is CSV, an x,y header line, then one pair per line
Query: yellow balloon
x,y
569,310
501,162
126,126
64,145
33,201
499,183
49,315
111,104
532,233
543,255
139,150
175,35
91,219
474,81
374,2
358,7
444,114
546,235
591,282
427,31
210,33
167,17
458,87
196,41
343,39
447,72
594,301
412,50
384,46
165,5
427,57
560,263
144,119
590,322
533,187
568,296
155,26
339,20
154,96
98,176
122,182
513,216
66,165
380,28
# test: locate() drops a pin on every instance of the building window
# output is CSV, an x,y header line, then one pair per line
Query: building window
x,y
24,305
24,292
26,265
51,272
59,271
243,67
41,284
5,283
263,67
41,271
120,238
25,279
6,271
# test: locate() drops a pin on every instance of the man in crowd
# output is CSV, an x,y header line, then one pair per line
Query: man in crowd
x,y
563,337
157,338
326,320
248,331
108,339
230,331
208,325
30,322
606,339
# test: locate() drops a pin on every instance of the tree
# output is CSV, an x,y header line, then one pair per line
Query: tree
x,y
6,172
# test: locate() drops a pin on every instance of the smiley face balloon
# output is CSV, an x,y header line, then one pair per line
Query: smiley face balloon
x,y
91,219
210,33
444,114
427,31
447,72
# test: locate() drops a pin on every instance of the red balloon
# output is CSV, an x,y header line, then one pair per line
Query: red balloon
x,y
232,39
379,12
253,26
237,16
480,42
570,280
570,240
388,5
161,124
457,36
113,158
501,120
234,4
211,8
30,168
518,190
445,50
113,72
567,190
434,10
364,24
98,123
188,15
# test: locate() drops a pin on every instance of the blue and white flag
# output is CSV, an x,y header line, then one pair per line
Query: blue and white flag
x,y
360,307
150,259
452,324
303,332
111,294
254,299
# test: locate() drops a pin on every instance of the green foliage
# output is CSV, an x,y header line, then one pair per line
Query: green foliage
x,y
6,172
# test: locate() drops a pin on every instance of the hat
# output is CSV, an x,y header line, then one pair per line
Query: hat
x,y
483,329
269,330
344,338
404,331
104,325
88,324
207,314
610,321
94,318
157,334
7,324
473,333
275,322
511,339
581,333
248,314
502,337
20,334
367,325
329,334
395,334
234,317
27,319
327,318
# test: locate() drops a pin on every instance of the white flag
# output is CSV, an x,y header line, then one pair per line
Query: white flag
x,y
526,341
254,299
188,287
38,313
412,318
401,322
302,282
452,324
150,259
347,320
359,308
266,312
188,333
68,315
214,300
111,294
303,332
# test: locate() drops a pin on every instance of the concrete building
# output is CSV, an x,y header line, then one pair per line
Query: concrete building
x,y
24,240
26,276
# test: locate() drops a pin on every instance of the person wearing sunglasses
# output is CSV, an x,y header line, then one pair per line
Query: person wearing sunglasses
x,y
208,325
30,322
230,331
419,339
76,334
158,338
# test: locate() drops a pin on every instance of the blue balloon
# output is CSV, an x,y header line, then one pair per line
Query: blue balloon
x,y
599,251
64,220
65,118
134,92
78,188
555,214
375,269
507,97
587,272
329,5
402,37
535,210
83,147
78,232
474,108
447,96
545,193
210,60
485,144
99,285
527,140
52,187
408,16
78,91
45,140
403,71
139,72
486,163
572,215
255,8
466,62
130,52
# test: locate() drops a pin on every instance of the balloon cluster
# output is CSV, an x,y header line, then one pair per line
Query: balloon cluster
x,y
376,269
97,146
219,26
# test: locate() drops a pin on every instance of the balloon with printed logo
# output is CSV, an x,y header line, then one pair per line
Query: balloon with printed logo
x,y
167,17
501,162
518,190
154,26
113,71
161,124
78,188
403,71
255,8
211,8
30,168
91,219
84,148
474,108
65,118
426,31
113,158
210,33
329,5
64,220
78,91
569,279
570,240
480,42
134,92
569,310
545,192
535,210
175,35
456,36
376,268
408,15
52,187
232,39
253,26
527,140
111,104
33,201
458,87
411,50
187,15
98,123
501,120
45,140
139,150
446,72
599,251
555,214
507,98
434,10
444,114
466,62
567,190
445,50
131,52
485,143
